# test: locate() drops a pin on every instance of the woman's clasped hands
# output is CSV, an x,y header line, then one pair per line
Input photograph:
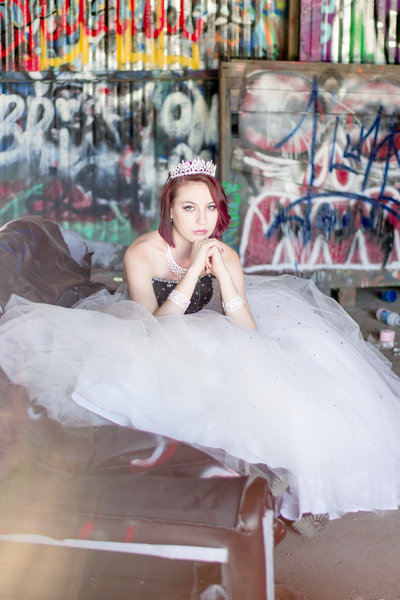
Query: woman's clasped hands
x,y
207,256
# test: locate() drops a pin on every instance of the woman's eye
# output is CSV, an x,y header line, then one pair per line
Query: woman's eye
x,y
212,207
188,208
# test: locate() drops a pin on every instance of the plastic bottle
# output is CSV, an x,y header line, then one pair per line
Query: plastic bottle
x,y
388,316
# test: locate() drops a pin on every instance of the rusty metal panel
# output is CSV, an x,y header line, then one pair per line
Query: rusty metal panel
x,y
167,35
310,156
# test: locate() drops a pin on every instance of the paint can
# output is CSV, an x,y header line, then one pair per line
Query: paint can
x,y
389,295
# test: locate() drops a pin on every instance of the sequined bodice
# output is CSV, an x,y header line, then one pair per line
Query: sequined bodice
x,y
201,296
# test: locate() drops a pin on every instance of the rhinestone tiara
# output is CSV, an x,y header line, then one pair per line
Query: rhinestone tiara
x,y
193,168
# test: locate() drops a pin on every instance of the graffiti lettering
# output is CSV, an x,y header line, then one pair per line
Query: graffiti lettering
x,y
352,150
38,34
93,156
331,195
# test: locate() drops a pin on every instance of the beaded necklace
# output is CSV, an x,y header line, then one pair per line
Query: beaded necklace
x,y
173,266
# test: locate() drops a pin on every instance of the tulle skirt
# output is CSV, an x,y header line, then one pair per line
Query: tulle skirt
x,y
304,394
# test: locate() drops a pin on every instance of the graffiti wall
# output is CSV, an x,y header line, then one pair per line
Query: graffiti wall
x,y
92,155
350,31
98,98
312,162
138,34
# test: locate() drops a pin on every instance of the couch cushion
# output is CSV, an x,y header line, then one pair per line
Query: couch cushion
x,y
35,263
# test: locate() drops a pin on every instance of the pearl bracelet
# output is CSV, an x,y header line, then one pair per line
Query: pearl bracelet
x,y
179,299
233,305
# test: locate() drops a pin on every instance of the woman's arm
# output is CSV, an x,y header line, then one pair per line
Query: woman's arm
x,y
227,269
206,254
179,299
138,274
139,271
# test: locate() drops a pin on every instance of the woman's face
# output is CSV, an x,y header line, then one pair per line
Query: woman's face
x,y
193,212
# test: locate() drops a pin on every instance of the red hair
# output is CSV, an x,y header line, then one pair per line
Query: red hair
x,y
169,192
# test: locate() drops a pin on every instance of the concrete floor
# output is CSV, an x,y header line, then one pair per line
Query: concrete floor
x,y
356,557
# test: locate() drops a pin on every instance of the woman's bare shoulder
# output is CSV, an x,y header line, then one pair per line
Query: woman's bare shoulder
x,y
230,254
143,257
145,247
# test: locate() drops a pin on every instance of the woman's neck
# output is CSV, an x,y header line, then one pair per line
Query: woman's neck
x,y
182,251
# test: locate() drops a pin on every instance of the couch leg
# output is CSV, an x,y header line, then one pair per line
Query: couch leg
x,y
268,532
251,565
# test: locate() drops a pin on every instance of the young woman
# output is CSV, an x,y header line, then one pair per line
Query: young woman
x,y
193,215
282,378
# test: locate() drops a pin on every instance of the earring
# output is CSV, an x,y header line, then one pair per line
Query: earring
x,y
172,220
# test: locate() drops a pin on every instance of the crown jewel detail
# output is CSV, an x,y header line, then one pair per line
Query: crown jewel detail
x,y
193,167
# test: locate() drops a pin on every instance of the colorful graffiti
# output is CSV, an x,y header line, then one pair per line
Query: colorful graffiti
x,y
350,31
319,157
93,155
36,35
231,235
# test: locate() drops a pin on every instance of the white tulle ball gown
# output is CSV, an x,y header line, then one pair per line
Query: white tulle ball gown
x,y
304,394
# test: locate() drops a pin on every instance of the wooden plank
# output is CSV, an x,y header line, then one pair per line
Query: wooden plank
x,y
347,297
293,30
315,164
